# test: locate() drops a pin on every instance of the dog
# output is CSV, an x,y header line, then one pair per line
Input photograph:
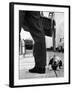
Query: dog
x,y
55,63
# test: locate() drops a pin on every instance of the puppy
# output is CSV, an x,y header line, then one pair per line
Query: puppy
x,y
55,63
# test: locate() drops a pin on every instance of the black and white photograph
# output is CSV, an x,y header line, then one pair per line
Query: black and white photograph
x,y
33,49
39,44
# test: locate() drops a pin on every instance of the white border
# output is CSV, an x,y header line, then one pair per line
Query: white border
x,y
16,41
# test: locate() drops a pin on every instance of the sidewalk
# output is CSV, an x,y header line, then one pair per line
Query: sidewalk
x,y
27,62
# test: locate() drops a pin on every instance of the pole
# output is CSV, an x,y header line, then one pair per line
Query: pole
x,y
53,31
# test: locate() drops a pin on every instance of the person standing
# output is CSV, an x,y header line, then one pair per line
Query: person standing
x,y
32,22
